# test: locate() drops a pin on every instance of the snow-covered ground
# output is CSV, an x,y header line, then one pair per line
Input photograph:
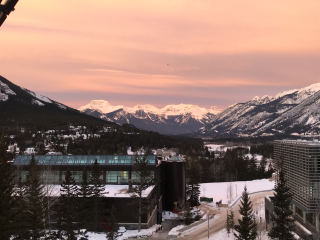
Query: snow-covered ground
x,y
218,191
223,235
109,191
221,147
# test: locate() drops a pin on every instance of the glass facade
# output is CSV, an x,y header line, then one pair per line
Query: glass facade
x,y
135,176
50,176
118,177
77,175
81,159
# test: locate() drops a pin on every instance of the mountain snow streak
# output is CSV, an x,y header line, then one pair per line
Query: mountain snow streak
x,y
292,112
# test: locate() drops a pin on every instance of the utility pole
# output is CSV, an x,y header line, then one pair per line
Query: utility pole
x,y
208,222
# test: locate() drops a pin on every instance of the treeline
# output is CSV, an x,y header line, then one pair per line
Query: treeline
x,y
116,141
266,149
233,166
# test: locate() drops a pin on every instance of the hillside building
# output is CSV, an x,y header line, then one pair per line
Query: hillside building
x,y
117,171
301,165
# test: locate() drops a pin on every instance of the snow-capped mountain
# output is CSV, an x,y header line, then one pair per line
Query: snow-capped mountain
x,y
291,112
34,98
20,106
172,119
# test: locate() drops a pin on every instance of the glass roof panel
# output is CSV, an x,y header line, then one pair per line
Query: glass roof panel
x,y
81,159
59,160
90,160
77,160
53,160
103,160
46,160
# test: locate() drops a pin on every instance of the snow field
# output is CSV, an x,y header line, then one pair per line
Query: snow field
x,y
129,234
218,191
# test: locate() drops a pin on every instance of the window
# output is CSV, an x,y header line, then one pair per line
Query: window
x,y
77,175
117,177
135,176
49,177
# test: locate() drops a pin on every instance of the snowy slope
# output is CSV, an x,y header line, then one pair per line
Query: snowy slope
x,y
294,111
172,119
35,99
5,92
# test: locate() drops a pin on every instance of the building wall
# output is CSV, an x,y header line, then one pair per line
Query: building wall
x,y
301,165
173,183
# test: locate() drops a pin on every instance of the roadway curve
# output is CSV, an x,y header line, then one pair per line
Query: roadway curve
x,y
219,224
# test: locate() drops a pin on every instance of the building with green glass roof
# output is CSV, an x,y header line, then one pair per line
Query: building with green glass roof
x,y
117,169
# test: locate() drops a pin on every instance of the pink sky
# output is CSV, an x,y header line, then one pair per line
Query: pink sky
x,y
219,52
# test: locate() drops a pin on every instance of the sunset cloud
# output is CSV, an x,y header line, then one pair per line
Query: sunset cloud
x,y
161,52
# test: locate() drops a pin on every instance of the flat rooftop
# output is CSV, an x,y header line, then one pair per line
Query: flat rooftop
x,y
314,142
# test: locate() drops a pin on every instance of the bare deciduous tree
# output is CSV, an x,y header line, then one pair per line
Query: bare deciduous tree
x,y
230,192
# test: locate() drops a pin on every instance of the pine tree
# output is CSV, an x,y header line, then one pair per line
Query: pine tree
x,y
193,194
35,204
228,228
66,209
193,187
247,229
97,190
231,220
283,223
20,217
7,202
112,224
187,214
143,181
84,193
262,167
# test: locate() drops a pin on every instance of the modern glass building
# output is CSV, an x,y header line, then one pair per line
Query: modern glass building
x,y
117,169
301,165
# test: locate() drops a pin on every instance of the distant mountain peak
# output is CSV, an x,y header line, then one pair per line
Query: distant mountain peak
x,y
149,117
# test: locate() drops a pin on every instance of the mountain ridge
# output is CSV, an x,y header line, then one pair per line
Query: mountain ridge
x,y
23,107
265,115
171,119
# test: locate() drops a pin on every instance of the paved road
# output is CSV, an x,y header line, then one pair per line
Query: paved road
x,y
167,226
219,224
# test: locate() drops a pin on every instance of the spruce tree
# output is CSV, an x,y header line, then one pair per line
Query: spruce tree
x,y
35,204
187,214
231,220
84,193
247,229
193,187
97,192
112,224
20,217
7,202
143,181
228,228
282,221
66,209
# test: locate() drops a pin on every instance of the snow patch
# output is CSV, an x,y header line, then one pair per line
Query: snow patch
x,y
38,96
5,91
37,102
